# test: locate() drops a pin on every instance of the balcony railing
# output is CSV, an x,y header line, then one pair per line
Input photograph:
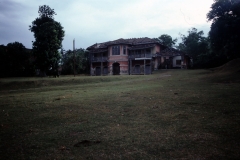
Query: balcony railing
x,y
132,56
147,55
99,59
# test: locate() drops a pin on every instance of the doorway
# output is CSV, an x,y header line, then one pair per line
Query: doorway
x,y
147,69
116,69
105,70
137,69
98,71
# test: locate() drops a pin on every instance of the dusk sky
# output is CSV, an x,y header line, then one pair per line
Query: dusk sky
x,y
96,21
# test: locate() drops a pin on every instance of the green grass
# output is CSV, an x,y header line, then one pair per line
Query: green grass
x,y
172,114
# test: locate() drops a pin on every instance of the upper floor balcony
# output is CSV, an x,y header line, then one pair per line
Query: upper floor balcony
x,y
99,59
140,55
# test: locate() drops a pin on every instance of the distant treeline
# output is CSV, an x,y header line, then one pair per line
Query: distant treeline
x,y
223,41
18,61
81,58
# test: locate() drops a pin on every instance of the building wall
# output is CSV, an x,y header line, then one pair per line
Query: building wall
x,y
123,67
122,59
155,49
175,59
121,50
156,63
162,59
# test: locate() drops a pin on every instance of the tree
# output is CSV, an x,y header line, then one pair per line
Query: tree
x,y
81,61
167,40
3,61
195,45
17,57
48,39
224,33
15,60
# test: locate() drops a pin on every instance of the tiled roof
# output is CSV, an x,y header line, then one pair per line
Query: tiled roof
x,y
99,50
144,40
170,52
119,41
130,41
142,46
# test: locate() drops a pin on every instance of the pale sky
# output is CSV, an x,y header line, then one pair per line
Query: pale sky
x,y
96,21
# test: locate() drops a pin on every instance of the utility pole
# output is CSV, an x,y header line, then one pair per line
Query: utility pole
x,y
74,57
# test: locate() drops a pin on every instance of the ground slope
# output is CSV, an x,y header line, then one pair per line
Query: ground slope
x,y
227,73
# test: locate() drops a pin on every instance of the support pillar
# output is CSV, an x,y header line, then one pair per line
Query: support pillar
x,y
90,68
151,66
130,66
144,66
101,64
101,68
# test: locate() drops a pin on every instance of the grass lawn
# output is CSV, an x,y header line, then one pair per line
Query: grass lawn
x,y
171,114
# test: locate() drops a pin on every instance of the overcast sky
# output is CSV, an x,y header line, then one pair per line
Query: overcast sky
x,y
96,21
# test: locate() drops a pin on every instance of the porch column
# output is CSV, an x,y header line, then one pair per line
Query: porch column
x,y
101,67
90,55
130,66
90,68
101,64
144,66
151,65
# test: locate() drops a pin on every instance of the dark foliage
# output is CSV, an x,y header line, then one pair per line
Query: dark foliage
x,y
81,62
46,11
48,39
16,60
225,33
167,40
197,47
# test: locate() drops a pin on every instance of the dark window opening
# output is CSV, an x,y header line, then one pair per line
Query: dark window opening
x,y
137,69
147,69
105,70
124,50
148,51
98,71
115,50
178,62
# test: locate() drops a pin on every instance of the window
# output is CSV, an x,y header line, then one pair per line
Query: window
x,y
124,50
148,51
115,50
178,62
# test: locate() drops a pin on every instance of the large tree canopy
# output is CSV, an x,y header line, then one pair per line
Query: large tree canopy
x,y
195,45
15,60
225,33
48,39
167,40
81,59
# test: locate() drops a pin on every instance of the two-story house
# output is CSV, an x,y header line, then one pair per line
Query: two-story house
x,y
125,56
